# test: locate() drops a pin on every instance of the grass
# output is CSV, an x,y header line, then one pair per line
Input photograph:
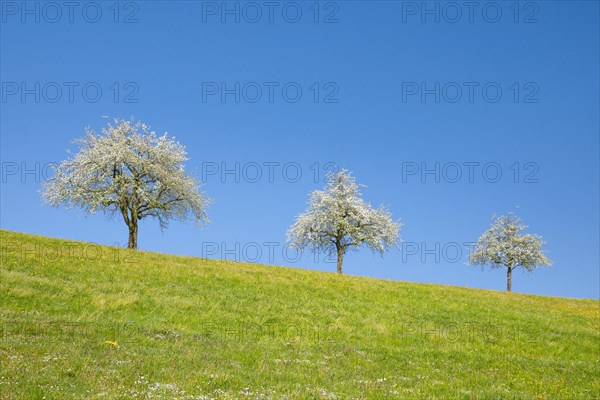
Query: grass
x,y
85,321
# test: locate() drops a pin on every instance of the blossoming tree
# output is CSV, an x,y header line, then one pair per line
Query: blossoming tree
x,y
502,245
338,219
127,169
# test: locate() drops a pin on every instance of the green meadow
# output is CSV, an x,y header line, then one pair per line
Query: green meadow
x,y
80,321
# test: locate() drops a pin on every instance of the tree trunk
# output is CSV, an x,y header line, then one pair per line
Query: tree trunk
x,y
340,259
133,232
509,279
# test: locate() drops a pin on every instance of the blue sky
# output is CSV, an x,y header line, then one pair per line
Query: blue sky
x,y
389,90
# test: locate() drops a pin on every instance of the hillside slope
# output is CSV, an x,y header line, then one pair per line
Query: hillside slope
x,y
84,321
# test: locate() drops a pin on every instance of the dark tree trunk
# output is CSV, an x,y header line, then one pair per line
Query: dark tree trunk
x,y
340,259
509,279
133,232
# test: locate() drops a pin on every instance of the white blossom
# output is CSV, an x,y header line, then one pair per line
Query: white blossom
x,y
503,245
338,219
129,170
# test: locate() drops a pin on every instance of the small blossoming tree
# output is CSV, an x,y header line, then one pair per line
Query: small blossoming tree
x,y
503,246
338,219
129,170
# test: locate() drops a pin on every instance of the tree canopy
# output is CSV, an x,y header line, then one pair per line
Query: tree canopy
x,y
338,218
503,245
128,169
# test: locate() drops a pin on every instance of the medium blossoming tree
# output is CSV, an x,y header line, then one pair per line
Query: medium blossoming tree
x,y
129,170
338,219
504,246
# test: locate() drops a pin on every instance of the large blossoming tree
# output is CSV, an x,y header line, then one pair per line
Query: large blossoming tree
x,y
338,219
504,246
129,170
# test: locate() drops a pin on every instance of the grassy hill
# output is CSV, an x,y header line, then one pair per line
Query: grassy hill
x,y
85,321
